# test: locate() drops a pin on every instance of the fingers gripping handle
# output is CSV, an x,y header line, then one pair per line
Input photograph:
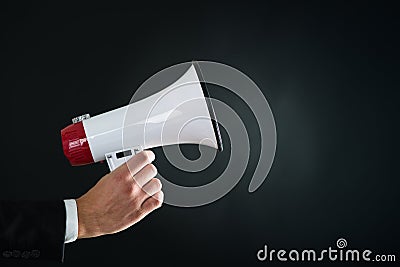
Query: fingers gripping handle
x,y
117,158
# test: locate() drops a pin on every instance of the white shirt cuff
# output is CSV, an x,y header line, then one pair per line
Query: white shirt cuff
x,y
71,230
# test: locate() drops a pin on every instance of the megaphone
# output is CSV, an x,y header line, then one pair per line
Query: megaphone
x,y
182,113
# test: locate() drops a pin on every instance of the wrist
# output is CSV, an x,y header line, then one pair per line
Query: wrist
x,y
86,221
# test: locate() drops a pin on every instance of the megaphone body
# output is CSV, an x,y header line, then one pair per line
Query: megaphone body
x,y
178,114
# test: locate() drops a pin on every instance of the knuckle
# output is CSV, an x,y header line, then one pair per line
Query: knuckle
x,y
147,156
116,175
160,198
157,184
152,169
157,203
130,190
135,187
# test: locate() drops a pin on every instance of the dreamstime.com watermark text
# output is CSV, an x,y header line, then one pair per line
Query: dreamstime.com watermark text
x,y
338,253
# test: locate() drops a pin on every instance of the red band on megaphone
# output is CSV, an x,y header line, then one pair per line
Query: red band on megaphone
x,y
75,145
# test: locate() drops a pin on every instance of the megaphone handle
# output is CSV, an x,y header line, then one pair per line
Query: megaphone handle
x,y
117,158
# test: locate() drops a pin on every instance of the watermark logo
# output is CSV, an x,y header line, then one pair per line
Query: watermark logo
x,y
341,243
338,253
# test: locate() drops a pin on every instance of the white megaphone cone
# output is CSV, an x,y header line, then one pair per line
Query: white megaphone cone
x,y
178,114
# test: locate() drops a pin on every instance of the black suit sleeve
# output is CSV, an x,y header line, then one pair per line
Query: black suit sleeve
x,y
32,230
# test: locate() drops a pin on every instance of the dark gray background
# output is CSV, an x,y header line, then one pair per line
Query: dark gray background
x,y
328,69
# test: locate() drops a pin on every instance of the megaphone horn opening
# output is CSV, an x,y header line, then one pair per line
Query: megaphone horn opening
x,y
212,114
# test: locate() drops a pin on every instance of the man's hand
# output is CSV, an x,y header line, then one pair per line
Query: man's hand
x,y
121,198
